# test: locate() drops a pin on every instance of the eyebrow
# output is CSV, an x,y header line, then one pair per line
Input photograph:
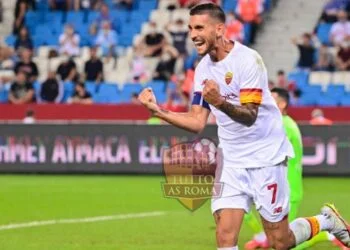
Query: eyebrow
x,y
198,26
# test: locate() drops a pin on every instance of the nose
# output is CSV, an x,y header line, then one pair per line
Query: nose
x,y
193,35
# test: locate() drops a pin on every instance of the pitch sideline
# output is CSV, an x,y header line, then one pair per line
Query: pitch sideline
x,y
81,220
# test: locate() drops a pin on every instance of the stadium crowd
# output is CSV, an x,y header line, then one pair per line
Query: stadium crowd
x,y
170,46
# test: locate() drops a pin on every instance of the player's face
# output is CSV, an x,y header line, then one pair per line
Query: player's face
x,y
281,104
203,33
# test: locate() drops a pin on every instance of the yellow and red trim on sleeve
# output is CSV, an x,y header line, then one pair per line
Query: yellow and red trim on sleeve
x,y
250,96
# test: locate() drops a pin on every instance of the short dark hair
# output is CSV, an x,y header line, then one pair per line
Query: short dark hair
x,y
280,72
283,93
211,9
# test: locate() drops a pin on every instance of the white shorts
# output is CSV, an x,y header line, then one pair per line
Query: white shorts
x,y
266,187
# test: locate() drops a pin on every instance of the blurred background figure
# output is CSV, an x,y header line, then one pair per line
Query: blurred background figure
x,y
51,90
67,70
94,67
153,42
81,95
27,65
166,65
21,91
249,11
317,118
69,42
306,51
234,28
29,117
24,39
107,40
341,29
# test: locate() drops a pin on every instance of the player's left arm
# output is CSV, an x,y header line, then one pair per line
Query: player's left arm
x,y
252,77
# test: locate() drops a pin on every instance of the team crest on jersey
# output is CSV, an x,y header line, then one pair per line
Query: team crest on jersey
x,y
228,77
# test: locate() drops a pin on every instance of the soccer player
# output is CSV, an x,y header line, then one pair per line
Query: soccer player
x,y
231,82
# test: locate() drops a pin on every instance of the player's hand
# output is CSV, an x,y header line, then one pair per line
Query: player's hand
x,y
211,93
147,98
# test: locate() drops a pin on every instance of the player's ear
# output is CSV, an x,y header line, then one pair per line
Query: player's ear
x,y
220,30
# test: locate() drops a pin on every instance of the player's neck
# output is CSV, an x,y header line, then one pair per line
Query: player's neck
x,y
221,50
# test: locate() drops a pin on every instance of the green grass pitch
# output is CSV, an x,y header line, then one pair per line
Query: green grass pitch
x,y
37,198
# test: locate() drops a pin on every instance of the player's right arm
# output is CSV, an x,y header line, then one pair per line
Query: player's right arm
x,y
194,120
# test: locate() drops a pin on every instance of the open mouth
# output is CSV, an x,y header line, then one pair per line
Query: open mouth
x,y
199,44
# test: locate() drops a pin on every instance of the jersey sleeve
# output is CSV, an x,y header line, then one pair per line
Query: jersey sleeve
x,y
251,81
199,78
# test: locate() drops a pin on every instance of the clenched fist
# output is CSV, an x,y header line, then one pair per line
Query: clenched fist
x,y
147,98
211,93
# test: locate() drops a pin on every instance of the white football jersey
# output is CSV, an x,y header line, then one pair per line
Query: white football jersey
x,y
242,78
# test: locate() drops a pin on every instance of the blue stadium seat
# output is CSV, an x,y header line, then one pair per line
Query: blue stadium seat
x,y
158,86
68,91
247,33
325,100
51,40
92,16
91,87
323,33
54,16
229,5
345,100
3,95
299,77
10,40
43,30
335,91
308,99
312,89
74,17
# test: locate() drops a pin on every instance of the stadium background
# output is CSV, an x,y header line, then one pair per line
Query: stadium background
x,y
127,210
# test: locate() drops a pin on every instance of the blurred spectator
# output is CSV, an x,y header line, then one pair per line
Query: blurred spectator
x,y
342,60
331,9
341,29
6,58
62,5
107,40
295,98
69,42
178,31
306,51
191,3
152,43
67,70
325,60
23,39
93,67
29,117
27,65
271,84
104,16
249,11
21,90
134,99
166,65
21,9
80,96
234,28
125,4
138,67
177,100
87,4
317,118
51,90
282,81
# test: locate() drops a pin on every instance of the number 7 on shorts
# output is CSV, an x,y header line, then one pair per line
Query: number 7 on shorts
x,y
273,187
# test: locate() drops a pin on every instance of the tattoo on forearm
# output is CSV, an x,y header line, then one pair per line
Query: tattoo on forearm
x,y
245,115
